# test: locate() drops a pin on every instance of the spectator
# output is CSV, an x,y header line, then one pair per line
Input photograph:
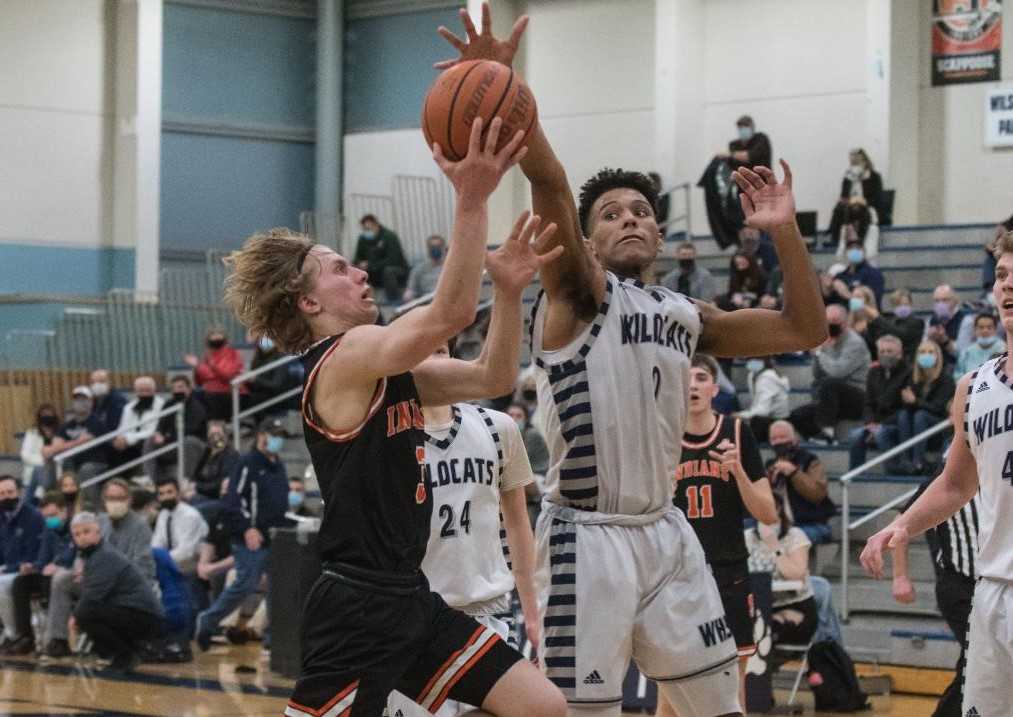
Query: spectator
x,y
534,444
747,282
862,313
988,265
783,550
909,329
526,394
37,472
71,492
21,528
690,279
986,345
80,426
256,501
799,476
195,428
424,275
768,392
753,242
887,379
139,420
220,364
956,320
109,403
750,148
840,367
55,551
378,251
179,527
297,498
125,529
834,290
861,185
270,383
215,466
926,402
118,608
860,271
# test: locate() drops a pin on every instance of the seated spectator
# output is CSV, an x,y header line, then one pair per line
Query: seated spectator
x,y
799,476
936,333
195,428
21,528
219,365
747,282
690,279
256,501
534,444
956,320
109,403
139,420
215,555
860,271
179,527
297,498
754,243
37,472
900,323
80,425
71,491
886,380
783,550
424,275
118,608
926,402
379,252
750,148
986,345
126,529
861,184
215,466
840,367
269,384
833,288
862,312
55,551
768,392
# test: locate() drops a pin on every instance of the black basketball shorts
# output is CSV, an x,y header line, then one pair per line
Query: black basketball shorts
x,y
737,598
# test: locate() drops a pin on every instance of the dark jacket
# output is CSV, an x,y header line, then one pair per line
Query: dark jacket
x,y
909,330
109,409
212,469
257,496
866,275
195,420
57,547
112,581
882,392
381,252
804,511
758,146
936,396
20,534
269,383
872,191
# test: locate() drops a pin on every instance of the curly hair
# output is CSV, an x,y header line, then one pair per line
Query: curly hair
x,y
609,179
1003,245
265,284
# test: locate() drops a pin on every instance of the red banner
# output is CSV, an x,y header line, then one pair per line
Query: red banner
x,y
966,41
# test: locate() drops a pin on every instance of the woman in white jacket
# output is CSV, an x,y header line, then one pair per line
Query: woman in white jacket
x,y
768,393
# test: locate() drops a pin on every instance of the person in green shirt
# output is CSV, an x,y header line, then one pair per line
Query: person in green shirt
x,y
378,251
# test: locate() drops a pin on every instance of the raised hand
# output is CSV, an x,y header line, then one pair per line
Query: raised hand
x,y
477,175
728,455
888,538
767,203
514,264
483,46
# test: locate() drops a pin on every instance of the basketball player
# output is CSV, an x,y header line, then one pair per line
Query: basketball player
x,y
477,469
625,573
980,459
371,623
720,477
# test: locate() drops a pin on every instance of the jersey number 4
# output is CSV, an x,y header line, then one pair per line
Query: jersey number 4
x,y
447,516
699,503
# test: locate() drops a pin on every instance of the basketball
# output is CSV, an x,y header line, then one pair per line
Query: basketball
x,y
470,89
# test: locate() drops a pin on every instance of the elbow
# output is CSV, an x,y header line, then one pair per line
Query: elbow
x,y
460,319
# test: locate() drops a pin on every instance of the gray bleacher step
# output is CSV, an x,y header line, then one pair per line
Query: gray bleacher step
x,y
926,276
799,375
911,640
873,491
873,596
920,568
922,236
796,398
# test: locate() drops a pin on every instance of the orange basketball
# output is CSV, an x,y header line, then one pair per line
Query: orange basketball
x,y
470,89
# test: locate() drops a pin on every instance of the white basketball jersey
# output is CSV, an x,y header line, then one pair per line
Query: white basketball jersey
x,y
988,423
468,463
614,401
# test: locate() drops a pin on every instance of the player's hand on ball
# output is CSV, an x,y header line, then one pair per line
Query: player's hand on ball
x,y
514,264
483,46
767,203
888,538
476,176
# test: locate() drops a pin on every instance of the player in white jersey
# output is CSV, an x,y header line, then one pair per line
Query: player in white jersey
x,y
625,574
980,459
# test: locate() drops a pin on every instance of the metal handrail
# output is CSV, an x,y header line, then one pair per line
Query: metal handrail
x,y
242,378
686,188
59,458
846,480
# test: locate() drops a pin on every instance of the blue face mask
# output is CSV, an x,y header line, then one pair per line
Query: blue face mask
x,y
54,522
754,365
265,344
855,256
295,498
436,253
986,342
275,444
745,133
856,303
927,361
368,234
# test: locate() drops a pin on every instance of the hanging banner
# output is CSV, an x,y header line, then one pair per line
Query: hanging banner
x,y
966,41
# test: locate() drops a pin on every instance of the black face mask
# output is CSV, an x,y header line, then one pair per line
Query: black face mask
x,y
782,450
69,497
217,444
529,395
687,265
7,505
178,396
87,551
216,344
145,402
48,421
169,505
834,330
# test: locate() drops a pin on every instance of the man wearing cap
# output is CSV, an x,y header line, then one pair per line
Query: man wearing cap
x,y
80,426
750,148
255,502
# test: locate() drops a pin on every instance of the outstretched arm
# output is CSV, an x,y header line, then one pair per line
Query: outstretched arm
x,y
801,324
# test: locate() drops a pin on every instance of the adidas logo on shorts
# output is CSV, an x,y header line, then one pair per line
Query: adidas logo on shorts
x,y
973,712
594,679
983,386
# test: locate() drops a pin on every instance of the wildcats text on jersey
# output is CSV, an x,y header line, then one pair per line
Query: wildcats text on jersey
x,y
403,416
642,328
460,471
994,423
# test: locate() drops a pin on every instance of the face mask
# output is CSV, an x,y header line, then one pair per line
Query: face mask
x,y
889,362
70,497
295,498
521,424
927,361
145,402
215,344
100,389
986,342
49,421
942,309
834,330
366,234
856,168
169,504
754,365
903,311
178,396
782,450
8,505
88,550
265,344
855,256
117,508
687,265
856,303
218,443
529,394
436,253
81,405
746,134
275,444
54,522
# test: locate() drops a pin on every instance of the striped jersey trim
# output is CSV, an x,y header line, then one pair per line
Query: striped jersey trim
x,y
338,706
435,693
967,406
504,544
560,621
307,405
444,443
571,366
1000,372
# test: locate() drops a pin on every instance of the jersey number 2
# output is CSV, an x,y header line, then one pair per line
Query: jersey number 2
x,y
699,504
447,516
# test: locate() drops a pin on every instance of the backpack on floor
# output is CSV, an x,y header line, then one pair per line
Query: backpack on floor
x,y
833,680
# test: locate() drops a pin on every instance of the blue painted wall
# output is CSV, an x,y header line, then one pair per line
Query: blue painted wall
x,y
45,269
389,67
